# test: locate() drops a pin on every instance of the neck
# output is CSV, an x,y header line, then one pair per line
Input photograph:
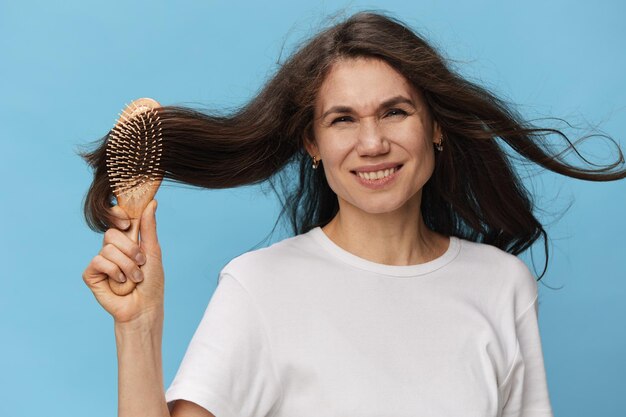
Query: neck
x,y
392,238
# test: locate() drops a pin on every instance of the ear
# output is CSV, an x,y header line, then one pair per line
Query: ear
x,y
310,146
436,131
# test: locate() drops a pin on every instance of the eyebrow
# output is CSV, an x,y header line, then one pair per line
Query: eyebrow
x,y
387,103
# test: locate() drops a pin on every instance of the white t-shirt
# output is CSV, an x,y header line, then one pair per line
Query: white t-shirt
x,y
305,328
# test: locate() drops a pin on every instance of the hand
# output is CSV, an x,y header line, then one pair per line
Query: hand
x,y
118,257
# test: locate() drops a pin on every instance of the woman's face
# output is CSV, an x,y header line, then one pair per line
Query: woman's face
x,y
366,114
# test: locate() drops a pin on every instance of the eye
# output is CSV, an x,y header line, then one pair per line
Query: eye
x,y
341,119
396,112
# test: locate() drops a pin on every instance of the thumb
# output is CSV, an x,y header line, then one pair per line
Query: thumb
x,y
147,230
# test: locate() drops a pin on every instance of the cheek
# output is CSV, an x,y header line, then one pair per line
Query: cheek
x,y
333,167
424,150
417,139
335,170
334,149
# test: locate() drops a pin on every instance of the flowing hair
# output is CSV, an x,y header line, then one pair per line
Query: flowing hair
x,y
474,193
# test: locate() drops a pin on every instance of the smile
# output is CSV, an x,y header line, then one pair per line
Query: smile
x,y
376,175
377,179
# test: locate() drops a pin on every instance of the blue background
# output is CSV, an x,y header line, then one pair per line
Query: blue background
x,y
68,68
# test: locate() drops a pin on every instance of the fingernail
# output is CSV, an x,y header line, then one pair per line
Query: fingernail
x,y
125,224
140,258
122,277
137,276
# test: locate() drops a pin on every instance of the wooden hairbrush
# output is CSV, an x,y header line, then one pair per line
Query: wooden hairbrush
x,y
133,152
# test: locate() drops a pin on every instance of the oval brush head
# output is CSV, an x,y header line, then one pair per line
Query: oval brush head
x,y
133,152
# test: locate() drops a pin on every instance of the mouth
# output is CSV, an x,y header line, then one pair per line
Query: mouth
x,y
377,175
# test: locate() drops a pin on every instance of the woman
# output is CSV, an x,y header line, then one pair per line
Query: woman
x,y
399,293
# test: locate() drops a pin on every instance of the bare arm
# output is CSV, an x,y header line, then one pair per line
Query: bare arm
x,y
140,368
140,373
138,316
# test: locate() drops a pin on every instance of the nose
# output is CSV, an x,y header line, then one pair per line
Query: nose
x,y
371,140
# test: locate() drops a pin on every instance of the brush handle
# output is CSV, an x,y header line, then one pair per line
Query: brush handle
x,y
125,288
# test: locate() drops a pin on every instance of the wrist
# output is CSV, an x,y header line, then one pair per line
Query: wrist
x,y
142,337
148,322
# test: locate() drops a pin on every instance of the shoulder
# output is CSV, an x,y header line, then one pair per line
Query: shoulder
x,y
505,271
289,254
487,256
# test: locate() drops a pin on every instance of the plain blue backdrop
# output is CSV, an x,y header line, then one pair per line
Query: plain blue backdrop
x,y
67,68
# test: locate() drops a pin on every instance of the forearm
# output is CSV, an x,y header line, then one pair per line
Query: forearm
x,y
140,369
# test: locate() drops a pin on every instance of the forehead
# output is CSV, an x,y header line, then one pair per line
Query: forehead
x,y
362,83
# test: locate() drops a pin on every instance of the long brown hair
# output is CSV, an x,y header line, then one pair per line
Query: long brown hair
x,y
474,192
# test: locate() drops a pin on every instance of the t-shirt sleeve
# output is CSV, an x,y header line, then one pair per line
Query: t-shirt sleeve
x,y
525,389
227,368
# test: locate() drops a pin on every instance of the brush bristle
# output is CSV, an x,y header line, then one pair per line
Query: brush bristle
x,y
134,150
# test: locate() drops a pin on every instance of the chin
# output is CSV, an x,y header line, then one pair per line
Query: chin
x,y
377,203
382,207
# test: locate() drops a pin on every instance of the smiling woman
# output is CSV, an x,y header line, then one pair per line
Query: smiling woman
x,y
399,292
377,155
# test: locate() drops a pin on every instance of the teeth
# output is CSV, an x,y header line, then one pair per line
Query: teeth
x,y
376,175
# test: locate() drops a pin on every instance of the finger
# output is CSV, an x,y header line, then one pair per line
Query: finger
x,y
120,240
94,272
149,238
96,279
111,270
121,218
123,262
